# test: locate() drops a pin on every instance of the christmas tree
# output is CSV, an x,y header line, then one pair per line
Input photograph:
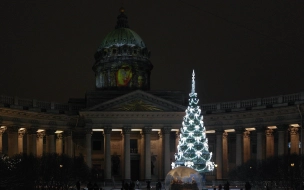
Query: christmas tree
x,y
193,145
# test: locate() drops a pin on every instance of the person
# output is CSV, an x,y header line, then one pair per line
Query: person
x,y
148,185
137,184
158,185
226,186
220,187
78,185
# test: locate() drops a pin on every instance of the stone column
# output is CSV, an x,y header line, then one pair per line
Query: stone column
x,y
160,155
50,141
269,143
238,150
147,154
225,155
69,143
142,157
65,143
166,150
39,146
1,145
259,132
107,154
31,140
246,146
59,143
219,154
177,135
89,147
294,140
127,156
12,140
281,139
20,140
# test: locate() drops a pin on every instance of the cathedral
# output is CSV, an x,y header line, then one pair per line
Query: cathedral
x,y
127,131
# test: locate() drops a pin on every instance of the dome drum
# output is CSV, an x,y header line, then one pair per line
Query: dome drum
x,y
122,60
126,74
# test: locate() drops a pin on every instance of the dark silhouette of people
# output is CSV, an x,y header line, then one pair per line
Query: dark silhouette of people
x,y
158,185
95,186
137,184
90,186
78,185
148,184
247,186
126,186
220,187
132,185
226,186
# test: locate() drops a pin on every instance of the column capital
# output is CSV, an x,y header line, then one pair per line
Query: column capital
x,y
293,130
40,135
107,130
269,132
1,132
147,130
239,130
225,135
219,131
88,130
260,129
126,129
59,135
21,133
246,134
166,130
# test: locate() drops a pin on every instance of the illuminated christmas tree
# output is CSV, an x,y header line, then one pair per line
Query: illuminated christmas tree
x,y
193,145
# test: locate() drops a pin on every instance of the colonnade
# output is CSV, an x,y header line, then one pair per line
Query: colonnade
x,y
145,152
35,141
288,141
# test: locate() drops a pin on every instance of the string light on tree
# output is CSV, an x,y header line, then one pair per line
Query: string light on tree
x,y
192,149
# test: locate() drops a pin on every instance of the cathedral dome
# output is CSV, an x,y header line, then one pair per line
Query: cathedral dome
x,y
122,59
120,37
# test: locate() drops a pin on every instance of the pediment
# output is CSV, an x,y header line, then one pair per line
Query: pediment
x,y
138,101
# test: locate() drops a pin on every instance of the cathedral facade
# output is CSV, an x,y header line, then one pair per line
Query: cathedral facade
x,y
128,132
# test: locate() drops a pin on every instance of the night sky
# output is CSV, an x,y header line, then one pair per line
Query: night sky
x,y
238,49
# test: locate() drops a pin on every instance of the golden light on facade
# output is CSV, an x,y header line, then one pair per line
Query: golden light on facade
x,y
294,125
250,129
97,130
58,131
272,127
